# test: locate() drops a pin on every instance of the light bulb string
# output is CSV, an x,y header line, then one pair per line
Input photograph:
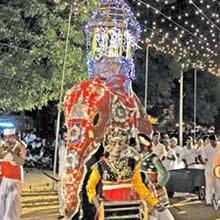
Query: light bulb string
x,y
174,22
197,60
201,11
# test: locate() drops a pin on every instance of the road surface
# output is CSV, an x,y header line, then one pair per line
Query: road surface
x,y
40,201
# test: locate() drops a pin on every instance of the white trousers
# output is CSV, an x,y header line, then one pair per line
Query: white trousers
x,y
217,189
10,199
212,186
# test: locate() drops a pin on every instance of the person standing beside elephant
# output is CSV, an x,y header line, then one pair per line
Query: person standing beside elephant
x,y
154,174
119,173
13,156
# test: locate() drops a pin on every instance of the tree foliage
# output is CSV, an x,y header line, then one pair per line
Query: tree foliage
x,y
208,93
163,88
32,42
162,74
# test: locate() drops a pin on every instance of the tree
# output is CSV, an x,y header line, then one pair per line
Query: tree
x,y
208,92
163,88
32,42
182,43
163,72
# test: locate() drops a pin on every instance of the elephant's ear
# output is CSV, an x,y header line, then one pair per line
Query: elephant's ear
x,y
96,119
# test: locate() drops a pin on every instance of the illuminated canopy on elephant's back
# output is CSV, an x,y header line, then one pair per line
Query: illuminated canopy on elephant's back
x,y
112,36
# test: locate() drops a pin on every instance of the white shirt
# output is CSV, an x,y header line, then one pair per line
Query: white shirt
x,y
189,155
178,150
179,153
170,164
159,150
62,157
30,138
210,153
199,153
28,156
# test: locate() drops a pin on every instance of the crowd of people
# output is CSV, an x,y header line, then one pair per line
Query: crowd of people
x,y
40,151
196,132
12,157
32,152
199,154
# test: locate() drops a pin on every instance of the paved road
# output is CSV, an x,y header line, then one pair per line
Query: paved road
x,y
40,201
187,207
39,198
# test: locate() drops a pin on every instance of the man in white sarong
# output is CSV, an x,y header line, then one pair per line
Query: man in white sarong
x,y
12,155
62,161
209,155
189,153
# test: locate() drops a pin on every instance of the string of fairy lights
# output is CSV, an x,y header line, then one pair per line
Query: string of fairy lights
x,y
209,20
200,54
171,30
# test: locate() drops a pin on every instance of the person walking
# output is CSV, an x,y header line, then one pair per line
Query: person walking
x,y
119,174
189,153
62,161
154,174
12,155
209,155
170,162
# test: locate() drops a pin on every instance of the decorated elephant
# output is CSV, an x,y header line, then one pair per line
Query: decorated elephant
x,y
90,107
105,99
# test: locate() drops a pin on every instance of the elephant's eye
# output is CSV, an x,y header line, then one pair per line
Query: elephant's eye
x,y
96,119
